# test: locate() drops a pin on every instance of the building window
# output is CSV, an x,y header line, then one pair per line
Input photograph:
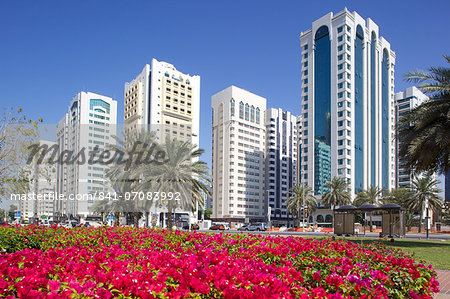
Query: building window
x,y
241,110
232,107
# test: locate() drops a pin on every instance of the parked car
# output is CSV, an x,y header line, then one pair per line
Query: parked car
x,y
195,226
259,226
244,227
217,227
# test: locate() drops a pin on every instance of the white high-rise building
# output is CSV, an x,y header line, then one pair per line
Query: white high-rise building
x,y
348,107
238,162
281,162
165,99
89,125
41,187
405,101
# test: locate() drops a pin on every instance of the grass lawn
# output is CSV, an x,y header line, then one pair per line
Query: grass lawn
x,y
434,252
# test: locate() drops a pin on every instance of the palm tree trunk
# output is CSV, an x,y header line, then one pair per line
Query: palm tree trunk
x,y
169,215
420,222
116,218
371,228
136,219
334,214
146,218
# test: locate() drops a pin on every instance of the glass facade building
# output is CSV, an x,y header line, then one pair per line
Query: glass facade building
x,y
347,99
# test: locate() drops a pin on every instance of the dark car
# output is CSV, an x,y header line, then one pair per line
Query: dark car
x,y
217,227
194,226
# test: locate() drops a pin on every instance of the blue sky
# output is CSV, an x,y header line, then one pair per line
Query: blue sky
x,y
50,50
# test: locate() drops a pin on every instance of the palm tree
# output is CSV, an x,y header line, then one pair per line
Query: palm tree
x,y
181,175
337,195
369,196
301,194
424,188
129,154
398,196
424,132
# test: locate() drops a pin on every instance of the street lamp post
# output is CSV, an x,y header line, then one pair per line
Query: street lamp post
x,y
303,206
268,210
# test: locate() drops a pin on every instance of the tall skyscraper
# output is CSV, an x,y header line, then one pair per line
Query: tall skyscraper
x,y
281,161
238,146
405,101
165,99
90,122
347,103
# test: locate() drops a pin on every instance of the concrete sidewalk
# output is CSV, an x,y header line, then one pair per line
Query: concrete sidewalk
x,y
444,284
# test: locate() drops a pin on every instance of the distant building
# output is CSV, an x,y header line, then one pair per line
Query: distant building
x,y
90,123
41,188
238,161
405,101
166,101
281,162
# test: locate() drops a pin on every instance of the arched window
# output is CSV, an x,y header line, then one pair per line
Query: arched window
x,y
328,218
241,110
257,115
252,113
321,32
359,32
246,112
319,218
232,107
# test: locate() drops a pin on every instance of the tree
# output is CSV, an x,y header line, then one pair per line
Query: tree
x,y
17,133
12,209
424,188
123,177
207,214
424,132
369,196
182,175
295,202
338,194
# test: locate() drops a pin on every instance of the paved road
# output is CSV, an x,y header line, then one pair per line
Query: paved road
x,y
318,234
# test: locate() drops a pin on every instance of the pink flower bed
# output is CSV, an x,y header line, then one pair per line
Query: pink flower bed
x,y
144,263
